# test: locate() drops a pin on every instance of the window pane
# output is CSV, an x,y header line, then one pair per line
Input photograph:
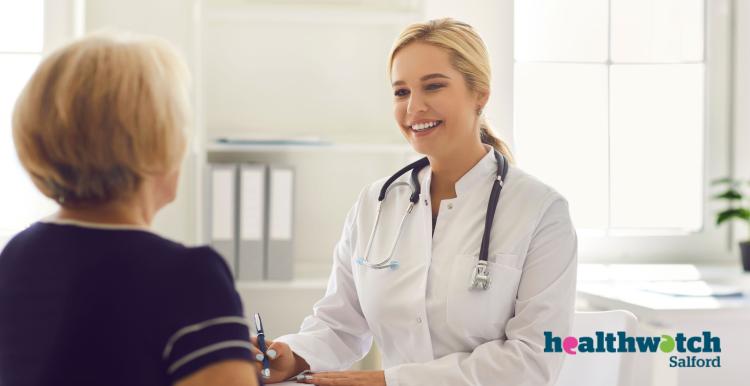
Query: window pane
x,y
657,31
560,124
556,30
21,25
657,153
23,204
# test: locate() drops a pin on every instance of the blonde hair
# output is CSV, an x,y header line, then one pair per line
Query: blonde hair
x,y
100,114
468,55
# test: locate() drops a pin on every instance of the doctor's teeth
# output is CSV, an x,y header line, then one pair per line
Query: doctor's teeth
x,y
424,126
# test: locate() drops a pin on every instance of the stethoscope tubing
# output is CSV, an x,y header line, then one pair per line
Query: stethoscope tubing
x,y
415,167
387,262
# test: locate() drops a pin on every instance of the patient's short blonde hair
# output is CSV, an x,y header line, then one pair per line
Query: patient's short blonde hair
x,y
100,114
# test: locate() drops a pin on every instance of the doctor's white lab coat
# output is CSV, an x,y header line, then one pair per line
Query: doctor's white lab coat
x,y
430,327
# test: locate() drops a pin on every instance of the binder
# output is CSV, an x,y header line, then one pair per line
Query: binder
x,y
221,219
252,222
279,257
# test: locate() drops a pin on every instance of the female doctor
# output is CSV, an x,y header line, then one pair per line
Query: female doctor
x,y
438,315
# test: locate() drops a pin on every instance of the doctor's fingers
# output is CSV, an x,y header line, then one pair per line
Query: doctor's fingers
x,y
257,354
279,350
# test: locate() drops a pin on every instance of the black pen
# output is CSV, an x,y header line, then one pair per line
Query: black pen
x,y
262,346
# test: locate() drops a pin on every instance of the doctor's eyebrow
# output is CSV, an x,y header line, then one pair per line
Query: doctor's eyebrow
x,y
424,78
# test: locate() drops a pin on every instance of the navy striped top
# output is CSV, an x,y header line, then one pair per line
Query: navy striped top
x,y
90,306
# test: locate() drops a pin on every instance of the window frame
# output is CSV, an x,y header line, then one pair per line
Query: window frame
x,y
708,242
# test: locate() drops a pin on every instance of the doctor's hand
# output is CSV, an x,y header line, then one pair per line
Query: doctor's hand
x,y
284,363
347,378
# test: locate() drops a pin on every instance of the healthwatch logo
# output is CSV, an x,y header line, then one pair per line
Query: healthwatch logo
x,y
619,342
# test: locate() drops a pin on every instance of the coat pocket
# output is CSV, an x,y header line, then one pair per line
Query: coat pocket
x,y
483,313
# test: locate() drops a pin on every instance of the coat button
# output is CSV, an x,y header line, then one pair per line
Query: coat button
x,y
419,319
450,206
425,203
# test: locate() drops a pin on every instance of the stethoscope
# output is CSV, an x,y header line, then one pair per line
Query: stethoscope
x,y
480,276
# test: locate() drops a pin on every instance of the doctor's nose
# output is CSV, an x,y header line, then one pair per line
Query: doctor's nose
x,y
416,104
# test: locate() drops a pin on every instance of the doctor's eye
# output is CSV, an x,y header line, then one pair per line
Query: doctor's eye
x,y
434,86
402,92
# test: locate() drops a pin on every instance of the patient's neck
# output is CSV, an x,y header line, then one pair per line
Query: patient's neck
x,y
135,210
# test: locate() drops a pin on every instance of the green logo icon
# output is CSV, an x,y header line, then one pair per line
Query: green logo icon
x,y
667,343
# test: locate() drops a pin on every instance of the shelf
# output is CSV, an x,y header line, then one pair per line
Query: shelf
x,y
216,148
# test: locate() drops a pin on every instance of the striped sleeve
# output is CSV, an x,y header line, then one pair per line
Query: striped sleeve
x,y
204,322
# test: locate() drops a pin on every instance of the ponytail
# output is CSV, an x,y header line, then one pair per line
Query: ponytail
x,y
488,137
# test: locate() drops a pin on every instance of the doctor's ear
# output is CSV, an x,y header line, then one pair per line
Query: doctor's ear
x,y
482,98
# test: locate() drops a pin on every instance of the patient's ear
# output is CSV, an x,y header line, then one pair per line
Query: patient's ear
x,y
167,185
163,187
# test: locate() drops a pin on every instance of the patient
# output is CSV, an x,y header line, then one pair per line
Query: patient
x,y
90,296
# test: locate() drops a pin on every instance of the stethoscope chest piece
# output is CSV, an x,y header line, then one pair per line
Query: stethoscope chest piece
x,y
480,276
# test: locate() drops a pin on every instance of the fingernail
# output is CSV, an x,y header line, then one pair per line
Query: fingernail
x,y
266,373
271,353
308,378
259,357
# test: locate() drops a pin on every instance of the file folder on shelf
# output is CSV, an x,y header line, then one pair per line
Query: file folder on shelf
x,y
221,219
279,257
252,222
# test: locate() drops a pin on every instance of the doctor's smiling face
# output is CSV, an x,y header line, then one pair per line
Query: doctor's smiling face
x,y
433,105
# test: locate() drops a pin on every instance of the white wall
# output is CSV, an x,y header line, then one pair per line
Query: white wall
x,y
296,71
741,116
170,19
742,89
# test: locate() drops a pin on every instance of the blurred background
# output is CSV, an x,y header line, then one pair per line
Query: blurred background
x,y
630,108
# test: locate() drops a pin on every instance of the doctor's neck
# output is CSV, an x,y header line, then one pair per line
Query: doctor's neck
x,y
447,169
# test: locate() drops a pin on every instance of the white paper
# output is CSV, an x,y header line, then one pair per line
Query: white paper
x,y
252,205
282,184
222,199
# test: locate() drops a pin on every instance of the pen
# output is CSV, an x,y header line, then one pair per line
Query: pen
x,y
262,346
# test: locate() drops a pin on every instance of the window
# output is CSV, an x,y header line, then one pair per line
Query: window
x,y
615,90
21,44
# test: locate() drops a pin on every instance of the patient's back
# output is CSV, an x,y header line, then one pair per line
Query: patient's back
x,y
89,306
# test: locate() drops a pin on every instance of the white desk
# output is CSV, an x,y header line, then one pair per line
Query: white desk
x,y
604,287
